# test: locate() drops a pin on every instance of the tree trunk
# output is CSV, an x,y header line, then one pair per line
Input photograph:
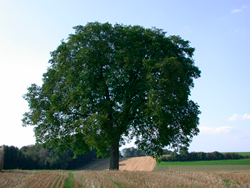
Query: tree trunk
x,y
114,156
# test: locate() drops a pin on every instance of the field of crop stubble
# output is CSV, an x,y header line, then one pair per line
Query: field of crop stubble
x,y
86,178
33,179
237,177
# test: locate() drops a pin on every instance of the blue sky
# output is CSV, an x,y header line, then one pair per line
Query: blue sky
x,y
219,30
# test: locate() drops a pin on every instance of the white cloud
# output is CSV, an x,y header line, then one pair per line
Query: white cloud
x,y
239,10
212,130
235,11
239,117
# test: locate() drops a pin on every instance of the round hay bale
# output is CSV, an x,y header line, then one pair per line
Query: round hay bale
x,y
1,158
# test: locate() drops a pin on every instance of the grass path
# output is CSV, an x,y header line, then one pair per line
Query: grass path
x,y
69,182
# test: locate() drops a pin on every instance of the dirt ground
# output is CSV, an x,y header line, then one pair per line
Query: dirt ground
x,y
125,164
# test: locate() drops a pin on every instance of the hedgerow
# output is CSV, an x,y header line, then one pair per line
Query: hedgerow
x,y
200,156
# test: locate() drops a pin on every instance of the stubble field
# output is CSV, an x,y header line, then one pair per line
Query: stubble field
x,y
87,178
216,176
33,179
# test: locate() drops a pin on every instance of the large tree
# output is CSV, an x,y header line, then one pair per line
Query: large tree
x,y
106,83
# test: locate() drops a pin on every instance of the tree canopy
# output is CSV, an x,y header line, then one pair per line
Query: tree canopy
x,y
108,82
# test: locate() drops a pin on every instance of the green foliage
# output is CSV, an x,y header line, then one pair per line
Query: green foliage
x,y
12,157
37,157
106,82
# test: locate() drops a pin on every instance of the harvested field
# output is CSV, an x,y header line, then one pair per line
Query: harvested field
x,y
134,172
87,178
33,179
47,179
137,164
14,178
128,164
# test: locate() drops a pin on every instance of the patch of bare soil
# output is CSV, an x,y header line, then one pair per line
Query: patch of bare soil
x,y
125,164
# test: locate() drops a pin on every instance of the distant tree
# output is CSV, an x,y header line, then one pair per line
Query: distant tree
x,y
44,159
174,156
11,157
201,156
193,156
217,155
132,152
106,82
166,152
140,153
233,156
33,157
184,155
58,160
209,156
126,152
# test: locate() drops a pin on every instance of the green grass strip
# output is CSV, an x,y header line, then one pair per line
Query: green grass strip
x,y
214,162
69,182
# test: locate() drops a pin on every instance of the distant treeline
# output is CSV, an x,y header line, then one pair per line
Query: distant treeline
x,y
36,157
201,156
134,152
